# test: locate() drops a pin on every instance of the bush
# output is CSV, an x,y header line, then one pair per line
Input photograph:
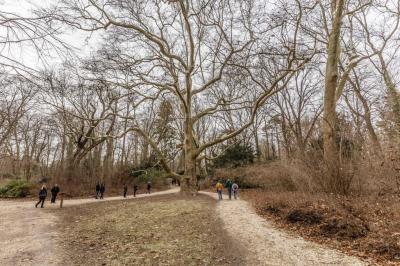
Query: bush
x,y
154,175
271,176
15,189
236,155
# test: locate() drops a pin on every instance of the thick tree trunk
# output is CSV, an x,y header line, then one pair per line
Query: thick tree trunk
x,y
189,179
331,154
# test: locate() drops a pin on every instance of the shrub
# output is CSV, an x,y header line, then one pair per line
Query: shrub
x,y
154,175
271,176
15,189
235,155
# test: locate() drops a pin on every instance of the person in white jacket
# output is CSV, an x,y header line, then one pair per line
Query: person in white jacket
x,y
235,189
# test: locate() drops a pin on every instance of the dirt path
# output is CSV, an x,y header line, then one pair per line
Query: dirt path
x,y
27,234
267,245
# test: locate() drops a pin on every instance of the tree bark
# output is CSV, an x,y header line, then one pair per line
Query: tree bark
x,y
331,155
189,179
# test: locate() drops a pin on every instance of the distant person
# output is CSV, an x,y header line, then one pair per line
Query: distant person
x,y
125,190
228,186
102,190
54,192
42,196
235,189
135,189
219,188
149,187
97,189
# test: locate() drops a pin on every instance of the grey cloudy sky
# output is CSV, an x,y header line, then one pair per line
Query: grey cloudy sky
x,y
25,53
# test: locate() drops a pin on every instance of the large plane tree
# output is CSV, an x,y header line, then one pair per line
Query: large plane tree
x,y
227,55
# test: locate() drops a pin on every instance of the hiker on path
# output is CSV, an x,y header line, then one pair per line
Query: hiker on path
x,y
235,189
219,188
125,190
102,189
149,187
42,196
228,185
54,192
135,189
97,189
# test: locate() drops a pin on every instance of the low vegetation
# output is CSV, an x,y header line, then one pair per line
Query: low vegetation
x,y
16,188
167,230
365,223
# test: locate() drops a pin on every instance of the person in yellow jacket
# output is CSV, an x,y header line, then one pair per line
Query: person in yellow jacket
x,y
219,188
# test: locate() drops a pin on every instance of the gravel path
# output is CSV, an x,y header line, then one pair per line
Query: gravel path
x,y
267,245
27,234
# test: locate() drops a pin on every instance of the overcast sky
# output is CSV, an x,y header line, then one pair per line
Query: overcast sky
x,y
25,54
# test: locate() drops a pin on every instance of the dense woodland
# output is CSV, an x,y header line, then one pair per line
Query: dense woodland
x,y
180,86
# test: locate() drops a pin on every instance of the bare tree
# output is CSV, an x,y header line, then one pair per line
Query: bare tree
x,y
193,50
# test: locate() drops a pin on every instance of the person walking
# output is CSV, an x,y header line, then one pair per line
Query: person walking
x,y
97,189
149,187
235,189
219,188
125,190
42,196
54,192
228,185
135,189
102,190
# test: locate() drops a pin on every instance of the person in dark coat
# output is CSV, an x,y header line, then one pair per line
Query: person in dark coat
x,y
102,190
135,189
228,185
97,190
149,187
125,190
54,192
42,196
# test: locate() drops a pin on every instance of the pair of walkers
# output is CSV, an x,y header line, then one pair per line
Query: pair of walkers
x,y
231,187
100,189
43,195
135,190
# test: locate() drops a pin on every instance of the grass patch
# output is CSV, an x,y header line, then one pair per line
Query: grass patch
x,y
166,230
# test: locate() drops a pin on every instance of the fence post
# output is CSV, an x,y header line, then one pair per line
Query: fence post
x,y
61,199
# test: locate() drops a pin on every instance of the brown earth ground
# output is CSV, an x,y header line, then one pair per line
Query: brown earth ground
x,y
165,230
161,230
367,227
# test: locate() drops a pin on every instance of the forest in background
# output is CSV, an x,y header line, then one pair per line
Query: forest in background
x,y
177,86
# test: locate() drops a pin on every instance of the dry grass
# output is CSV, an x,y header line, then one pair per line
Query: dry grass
x,y
166,230
368,227
365,223
272,176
